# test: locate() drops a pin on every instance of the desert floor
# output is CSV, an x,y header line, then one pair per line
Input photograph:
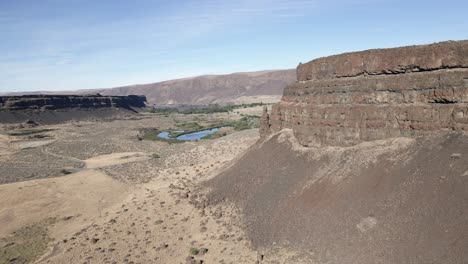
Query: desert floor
x,y
92,192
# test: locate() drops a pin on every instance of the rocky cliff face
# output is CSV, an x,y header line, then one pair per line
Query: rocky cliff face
x,y
376,94
53,102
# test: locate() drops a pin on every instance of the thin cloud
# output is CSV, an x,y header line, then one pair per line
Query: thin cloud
x,y
73,46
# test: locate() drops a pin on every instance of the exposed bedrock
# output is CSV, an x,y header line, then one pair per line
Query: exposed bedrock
x,y
443,55
52,102
53,109
376,94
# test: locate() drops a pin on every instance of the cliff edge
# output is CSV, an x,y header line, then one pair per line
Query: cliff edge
x,y
345,99
364,160
48,109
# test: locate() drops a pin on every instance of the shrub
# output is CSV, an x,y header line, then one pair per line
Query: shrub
x,y
194,251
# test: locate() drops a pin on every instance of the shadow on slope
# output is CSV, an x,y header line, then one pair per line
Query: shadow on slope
x,y
48,117
389,201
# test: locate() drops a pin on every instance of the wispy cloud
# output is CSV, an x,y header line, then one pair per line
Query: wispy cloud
x,y
49,43
81,42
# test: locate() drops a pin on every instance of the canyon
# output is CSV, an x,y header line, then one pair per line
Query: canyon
x,y
363,160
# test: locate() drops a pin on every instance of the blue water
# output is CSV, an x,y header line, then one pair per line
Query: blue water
x,y
164,135
188,137
197,135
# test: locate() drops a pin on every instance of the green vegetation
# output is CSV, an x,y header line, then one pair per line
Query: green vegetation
x,y
182,128
153,135
246,122
27,132
26,244
187,127
209,109
215,135
194,251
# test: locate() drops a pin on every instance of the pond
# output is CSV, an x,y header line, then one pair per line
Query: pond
x,y
189,136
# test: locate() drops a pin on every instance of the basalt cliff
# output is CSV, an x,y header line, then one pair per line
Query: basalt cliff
x,y
52,102
376,94
58,108
364,160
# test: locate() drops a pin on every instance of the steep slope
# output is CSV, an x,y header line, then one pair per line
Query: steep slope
x,y
237,87
364,160
388,201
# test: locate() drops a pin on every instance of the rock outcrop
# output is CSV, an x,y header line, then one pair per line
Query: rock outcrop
x,y
53,102
345,99
399,199
53,109
265,122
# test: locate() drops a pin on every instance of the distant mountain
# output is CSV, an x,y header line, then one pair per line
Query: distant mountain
x,y
207,89
245,87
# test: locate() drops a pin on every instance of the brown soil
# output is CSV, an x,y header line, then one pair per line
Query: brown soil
x,y
390,201
123,204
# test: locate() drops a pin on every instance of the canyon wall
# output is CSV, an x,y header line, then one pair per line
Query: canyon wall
x,y
53,102
54,109
345,99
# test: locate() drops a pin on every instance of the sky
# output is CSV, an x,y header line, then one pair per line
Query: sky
x,y
83,44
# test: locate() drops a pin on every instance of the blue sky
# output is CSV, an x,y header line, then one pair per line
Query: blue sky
x,y
82,44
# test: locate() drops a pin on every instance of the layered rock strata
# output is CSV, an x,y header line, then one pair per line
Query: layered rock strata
x,y
345,99
52,102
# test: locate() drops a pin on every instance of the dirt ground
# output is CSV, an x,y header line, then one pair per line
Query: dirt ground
x,y
92,192
399,200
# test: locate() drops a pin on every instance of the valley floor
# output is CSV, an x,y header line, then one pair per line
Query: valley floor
x,y
93,192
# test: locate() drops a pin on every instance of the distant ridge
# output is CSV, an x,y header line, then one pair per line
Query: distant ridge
x,y
57,108
242,87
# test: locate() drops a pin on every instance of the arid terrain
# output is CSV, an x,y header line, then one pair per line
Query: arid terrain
x,y
92,192
363,160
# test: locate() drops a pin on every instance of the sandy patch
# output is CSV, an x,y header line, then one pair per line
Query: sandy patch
x,y
256,110
115,159
5,148
257,98
81,195
25,144
166,220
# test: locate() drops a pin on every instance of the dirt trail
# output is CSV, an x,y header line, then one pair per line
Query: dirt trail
x,y
115,159
47,152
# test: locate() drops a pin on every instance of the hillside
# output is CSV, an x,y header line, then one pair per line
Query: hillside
x,y
264,86
364,160
245,87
